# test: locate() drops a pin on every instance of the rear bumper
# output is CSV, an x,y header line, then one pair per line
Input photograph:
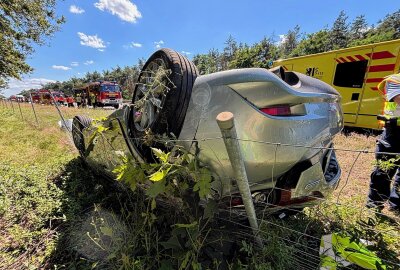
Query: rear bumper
x,y
319,181
313,184
111,101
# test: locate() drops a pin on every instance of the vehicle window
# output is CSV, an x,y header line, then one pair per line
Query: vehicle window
x,y
350,74
110,88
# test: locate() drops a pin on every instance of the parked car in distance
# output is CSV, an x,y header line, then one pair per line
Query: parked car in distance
x,y
285,124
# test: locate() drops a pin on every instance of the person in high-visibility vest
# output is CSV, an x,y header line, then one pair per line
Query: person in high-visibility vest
x,y
93,100
387,165
78,100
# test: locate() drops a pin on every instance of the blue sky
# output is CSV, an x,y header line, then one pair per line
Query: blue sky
x,y
101,34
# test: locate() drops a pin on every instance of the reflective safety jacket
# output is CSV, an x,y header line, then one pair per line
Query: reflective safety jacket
x,y
391,109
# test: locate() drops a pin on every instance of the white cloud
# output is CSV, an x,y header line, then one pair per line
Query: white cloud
x,y
92,41
16,86
186,53
124,9
60,67
74,64
132,45
88,62
282,39
76,10
158,44
137,45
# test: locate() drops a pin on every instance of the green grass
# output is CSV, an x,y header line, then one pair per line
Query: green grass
x,y
55,213
33,170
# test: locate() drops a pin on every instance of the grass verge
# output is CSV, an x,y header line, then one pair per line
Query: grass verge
x,y
57,214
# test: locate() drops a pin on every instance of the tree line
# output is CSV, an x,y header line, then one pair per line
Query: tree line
x,y
342,34
126,77
24,24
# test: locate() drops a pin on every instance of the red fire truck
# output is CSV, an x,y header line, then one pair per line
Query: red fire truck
x,y
99,94
35,97
59,97
43,96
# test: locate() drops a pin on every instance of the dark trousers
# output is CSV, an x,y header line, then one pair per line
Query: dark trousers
x,y
380,190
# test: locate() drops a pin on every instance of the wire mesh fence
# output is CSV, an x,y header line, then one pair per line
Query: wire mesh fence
x,y
285,226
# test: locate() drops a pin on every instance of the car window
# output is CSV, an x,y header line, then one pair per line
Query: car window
x,y
350,74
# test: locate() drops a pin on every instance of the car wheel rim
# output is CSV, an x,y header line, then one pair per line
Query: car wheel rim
x,y
150,95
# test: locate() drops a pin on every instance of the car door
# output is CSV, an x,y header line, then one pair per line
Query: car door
x,y
382,64
349,77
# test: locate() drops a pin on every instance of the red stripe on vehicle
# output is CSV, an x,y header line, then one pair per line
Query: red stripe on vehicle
x,y
360,57
343,59
337,60
382,55
374,88
378,68
373,80
351,58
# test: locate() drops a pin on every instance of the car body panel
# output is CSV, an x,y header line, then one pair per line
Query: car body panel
x,y
271,145
212,94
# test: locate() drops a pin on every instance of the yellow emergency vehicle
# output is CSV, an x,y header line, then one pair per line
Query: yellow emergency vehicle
x,y
355,72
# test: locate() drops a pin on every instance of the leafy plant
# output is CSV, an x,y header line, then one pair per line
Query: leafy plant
x,y
176,173
387,165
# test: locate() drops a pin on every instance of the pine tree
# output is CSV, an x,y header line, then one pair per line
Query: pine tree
x,y
290,41
358,28
340,32
391,23
229,51
313,43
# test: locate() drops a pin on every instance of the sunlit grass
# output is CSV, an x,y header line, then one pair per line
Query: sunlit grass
x,y
43,186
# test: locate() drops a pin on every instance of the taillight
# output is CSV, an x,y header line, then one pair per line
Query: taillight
x,y
280,110
236,201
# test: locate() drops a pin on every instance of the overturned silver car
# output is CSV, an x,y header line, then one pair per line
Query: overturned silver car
x,y
285,123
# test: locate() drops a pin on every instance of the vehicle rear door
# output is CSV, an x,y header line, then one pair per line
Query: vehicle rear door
x,y
348,78
382,63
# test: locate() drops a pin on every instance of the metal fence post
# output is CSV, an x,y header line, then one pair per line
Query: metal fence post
x,y
59,112
226,124
12,106
19,106
33,108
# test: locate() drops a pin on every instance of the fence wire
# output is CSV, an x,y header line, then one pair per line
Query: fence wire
x,y
304,259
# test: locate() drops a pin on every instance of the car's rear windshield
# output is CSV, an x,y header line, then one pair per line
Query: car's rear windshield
x,y
110,88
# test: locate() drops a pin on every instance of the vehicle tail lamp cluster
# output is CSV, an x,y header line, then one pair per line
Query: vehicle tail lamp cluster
x,y
280,110
285,110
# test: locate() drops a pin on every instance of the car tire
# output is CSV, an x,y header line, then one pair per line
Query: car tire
x,y
172,98
79,123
